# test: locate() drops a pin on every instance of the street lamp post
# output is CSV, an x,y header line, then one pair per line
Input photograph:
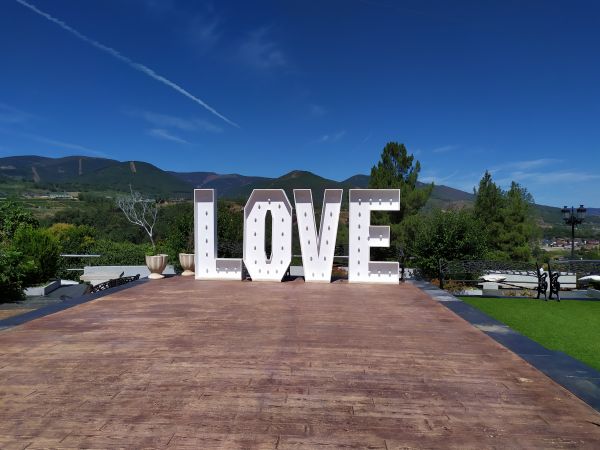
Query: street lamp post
x,y
573,217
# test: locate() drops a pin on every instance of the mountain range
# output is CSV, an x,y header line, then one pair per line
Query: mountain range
x,y
101,174
72,172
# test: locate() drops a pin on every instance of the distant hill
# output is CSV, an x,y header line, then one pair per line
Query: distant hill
x,y
142,176
441,194
101,174
77,172
357,181
41,169
226,185
594,212
297,179
450,194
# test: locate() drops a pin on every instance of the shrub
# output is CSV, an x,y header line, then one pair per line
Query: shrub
x,y
120,253
73,239
456,286
11,276
12,216
178,234
448,235
39,254
177,231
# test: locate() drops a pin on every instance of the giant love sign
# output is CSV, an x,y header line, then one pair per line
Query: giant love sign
x,y
317,245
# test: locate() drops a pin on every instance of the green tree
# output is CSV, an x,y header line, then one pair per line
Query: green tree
x,y
230,220
519,230
104,216
40,252
454,234
12,275
398,169
120,253
507,218
176,230
12,215
489,201
73,240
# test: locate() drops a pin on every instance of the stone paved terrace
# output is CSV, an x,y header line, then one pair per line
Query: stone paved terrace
x,y
180,363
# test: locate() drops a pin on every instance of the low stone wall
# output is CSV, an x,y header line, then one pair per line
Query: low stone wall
x,y
40,291
566,280
594,293
99,274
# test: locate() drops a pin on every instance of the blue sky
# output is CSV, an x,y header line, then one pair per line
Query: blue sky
x,y
265,87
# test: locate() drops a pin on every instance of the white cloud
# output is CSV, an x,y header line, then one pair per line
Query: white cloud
x,y
433,177
549,177
317,110
204,32
134,65
10,115
552,172
458,179
445,148
62,144
58,143
260,52
158,6
168,121
335,137
164,134
525,164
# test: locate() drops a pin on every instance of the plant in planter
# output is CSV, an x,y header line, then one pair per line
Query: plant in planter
x,y
143,211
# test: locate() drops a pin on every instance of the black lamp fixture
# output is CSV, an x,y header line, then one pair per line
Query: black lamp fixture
x,y
573,217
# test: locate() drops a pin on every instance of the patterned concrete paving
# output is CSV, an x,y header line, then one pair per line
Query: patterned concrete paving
x,y
186,364
6,313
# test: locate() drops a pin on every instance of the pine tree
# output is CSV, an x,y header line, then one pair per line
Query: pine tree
x,y
398,169
489,200
507,218
519,230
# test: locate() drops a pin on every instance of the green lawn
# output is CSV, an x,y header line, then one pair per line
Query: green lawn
x,y
571,326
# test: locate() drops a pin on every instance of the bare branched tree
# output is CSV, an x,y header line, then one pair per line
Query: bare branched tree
x,y
140,211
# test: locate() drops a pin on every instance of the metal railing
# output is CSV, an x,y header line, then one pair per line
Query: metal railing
x,y
471,270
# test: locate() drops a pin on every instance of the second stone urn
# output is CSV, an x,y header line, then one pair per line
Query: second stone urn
x,y
156,264
187,264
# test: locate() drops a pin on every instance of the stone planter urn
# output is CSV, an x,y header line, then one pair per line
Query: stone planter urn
x,y
187,264
156,264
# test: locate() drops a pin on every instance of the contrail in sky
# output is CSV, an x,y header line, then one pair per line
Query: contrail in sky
x,y
137,66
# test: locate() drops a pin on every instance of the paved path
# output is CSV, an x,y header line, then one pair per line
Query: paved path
x,y
6,313
182,363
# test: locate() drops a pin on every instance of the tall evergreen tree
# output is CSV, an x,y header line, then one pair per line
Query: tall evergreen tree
x,y
507,218
489,200
519,230
398,169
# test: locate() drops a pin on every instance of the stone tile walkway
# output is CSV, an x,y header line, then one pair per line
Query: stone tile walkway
x,y
186,364
6,313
